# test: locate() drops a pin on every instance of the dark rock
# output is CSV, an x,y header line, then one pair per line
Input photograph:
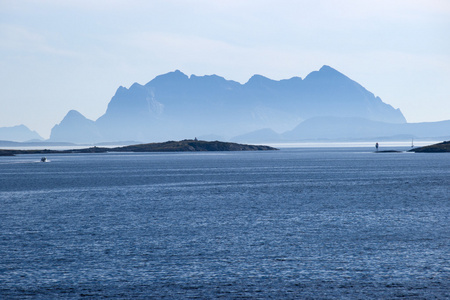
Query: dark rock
x,y
170,146
436,148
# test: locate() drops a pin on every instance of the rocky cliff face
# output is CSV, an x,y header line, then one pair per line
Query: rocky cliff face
x,y
175,106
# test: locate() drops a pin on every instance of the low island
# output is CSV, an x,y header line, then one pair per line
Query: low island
x,y
436,148
170,146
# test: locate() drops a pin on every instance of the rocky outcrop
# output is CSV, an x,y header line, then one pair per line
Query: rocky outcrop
x,y
436,148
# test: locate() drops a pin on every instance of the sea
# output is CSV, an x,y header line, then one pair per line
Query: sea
x,y
298,223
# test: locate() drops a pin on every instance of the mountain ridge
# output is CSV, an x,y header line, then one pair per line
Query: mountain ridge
x,y
175,105
18,133
325,105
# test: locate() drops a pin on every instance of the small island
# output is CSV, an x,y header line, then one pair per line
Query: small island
x,y
436,148
170,146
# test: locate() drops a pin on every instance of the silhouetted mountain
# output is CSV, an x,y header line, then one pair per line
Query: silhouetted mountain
x,y
339,128
175,106
75,128
339,96
132,114
19,133
267,135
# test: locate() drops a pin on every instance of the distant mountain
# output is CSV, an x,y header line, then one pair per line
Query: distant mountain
x,y
337,95
132,114
267,135
75,128
339,128
19,133
176,106
351,129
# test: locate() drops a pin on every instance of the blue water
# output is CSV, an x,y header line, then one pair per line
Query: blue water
x,y
296,223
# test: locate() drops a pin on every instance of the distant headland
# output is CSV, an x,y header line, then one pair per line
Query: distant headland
x,y
170,146
435,148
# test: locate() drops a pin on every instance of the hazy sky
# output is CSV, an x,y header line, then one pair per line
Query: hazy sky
x,y
60,55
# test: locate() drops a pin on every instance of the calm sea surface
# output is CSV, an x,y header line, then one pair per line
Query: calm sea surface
x,y
296,223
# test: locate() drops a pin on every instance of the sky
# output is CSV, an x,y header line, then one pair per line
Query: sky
x,y
61,55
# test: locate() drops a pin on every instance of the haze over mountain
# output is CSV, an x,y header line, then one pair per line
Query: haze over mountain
x,y
350,129
355,128
175,106
77,129
19,133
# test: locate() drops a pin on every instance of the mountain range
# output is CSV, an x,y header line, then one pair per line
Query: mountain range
x,y
326,104
175,106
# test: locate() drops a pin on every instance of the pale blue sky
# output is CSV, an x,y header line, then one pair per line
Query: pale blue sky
x,y
61,55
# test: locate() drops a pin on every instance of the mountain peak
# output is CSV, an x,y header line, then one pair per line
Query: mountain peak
x,y
135,86
326,68
18,133
75,128
327,73
175,76
74,114
257,80
213,76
